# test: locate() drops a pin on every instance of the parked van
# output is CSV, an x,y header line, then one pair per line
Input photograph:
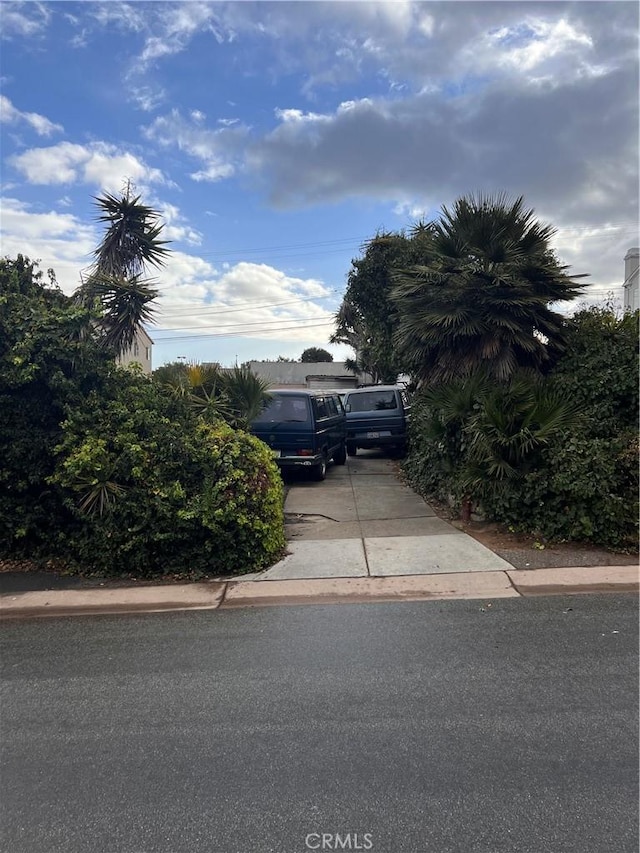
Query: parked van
x,y
304,429
377,416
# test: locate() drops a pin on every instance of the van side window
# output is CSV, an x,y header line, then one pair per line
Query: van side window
x,y
321,404
331,406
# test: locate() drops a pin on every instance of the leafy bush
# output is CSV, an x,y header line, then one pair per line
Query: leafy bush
x,y
101,468
149,495
566,471
46,367
585,489
599,369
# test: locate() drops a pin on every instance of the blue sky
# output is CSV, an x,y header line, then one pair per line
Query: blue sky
x,y
275,138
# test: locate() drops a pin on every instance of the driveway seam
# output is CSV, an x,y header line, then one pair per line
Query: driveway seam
x,y
359,520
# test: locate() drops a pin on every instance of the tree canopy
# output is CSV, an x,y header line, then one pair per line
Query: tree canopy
x,y
313,354
367,317
482,295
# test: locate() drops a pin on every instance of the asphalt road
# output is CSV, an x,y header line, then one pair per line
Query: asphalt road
x,y
405,728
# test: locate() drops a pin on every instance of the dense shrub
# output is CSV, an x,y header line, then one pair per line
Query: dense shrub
x,y
151,494
46,368
574,475
599,369
102,469
585,489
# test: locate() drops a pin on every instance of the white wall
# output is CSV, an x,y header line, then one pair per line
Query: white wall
x,y
141,352
631,285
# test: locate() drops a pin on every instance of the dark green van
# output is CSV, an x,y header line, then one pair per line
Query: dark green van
x,y
377,416
304,429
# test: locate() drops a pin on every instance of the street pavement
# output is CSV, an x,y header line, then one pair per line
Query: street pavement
x,y
430,727
361,535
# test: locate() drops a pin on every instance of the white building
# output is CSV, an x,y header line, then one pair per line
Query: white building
x,y
631,284
318,374
139,352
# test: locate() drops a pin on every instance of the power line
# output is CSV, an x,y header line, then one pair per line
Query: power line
x,y
199,308
244,325
237,334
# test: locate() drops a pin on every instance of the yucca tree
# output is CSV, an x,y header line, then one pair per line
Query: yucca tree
x,y
482,297
117,279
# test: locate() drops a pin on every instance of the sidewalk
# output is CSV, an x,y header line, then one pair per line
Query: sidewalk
x,y
361,535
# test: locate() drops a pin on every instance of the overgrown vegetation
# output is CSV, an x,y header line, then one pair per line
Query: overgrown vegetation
x,y
555,456
367,318
102,469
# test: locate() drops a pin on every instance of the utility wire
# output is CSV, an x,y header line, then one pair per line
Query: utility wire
x,y
245,325
198,308
238,334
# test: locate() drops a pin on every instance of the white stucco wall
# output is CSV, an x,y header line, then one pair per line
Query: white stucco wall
x,y
631,285
141,352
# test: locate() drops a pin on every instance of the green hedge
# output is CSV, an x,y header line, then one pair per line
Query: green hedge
x,y
585,489
206,499
578,481
101,469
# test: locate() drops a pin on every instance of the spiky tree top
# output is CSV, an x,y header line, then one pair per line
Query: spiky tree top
x,y
483,296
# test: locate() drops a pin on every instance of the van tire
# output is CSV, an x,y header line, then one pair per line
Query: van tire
x,y
320,471
340,456
351,449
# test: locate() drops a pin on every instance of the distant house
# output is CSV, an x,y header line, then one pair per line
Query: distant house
x,y
317,374
631,284
140,352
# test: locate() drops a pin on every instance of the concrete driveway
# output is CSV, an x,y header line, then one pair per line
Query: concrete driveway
x,y
363,521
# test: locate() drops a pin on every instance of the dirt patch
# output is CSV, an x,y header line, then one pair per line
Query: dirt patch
x,y
531,552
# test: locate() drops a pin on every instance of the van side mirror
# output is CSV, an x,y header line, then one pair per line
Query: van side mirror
x,y
347,407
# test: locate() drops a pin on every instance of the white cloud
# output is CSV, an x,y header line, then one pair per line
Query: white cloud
x,y
11,115
23,19
534,49
244,299
124,16
176,227
60,240
99,163
217,150
177,26
147,97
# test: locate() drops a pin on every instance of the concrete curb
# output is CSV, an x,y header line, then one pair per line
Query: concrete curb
x,y
575,580
147,599
214,595
353,590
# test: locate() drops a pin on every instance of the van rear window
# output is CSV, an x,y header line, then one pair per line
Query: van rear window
x,y
372,401
287,409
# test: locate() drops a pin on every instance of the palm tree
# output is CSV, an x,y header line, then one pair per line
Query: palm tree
x,y
116,279
482,297
246,394
235,395
493,434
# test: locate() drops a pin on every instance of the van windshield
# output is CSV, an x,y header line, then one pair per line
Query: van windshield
x,y
372,401
285,409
